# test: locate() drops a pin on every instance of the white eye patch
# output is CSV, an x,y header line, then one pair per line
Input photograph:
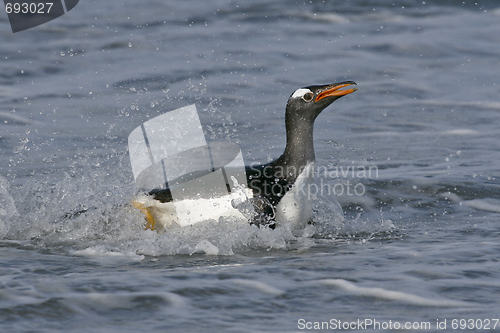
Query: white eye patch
x,y
300,93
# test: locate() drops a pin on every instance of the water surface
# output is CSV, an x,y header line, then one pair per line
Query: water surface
x,y
419,244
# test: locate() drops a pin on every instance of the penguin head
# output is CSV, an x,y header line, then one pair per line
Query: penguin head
x,y
308,102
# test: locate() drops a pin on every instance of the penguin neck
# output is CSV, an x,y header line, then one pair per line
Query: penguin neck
x,y
299,150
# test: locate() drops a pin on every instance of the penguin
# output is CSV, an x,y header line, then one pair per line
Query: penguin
x,y
280,188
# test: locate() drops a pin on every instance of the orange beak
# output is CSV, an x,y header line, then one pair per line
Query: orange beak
x,y
334,90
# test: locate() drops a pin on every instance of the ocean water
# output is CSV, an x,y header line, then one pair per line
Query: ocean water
x,y
407,191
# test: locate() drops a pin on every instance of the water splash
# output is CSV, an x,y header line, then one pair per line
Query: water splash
x,y
88,213
7,207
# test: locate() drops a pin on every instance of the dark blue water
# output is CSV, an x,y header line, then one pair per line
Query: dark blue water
x,y
418,243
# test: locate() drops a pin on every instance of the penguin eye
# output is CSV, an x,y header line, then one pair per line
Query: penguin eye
x,y
307,97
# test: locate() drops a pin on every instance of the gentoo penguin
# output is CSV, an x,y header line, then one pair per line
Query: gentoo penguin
x,y
280,193
280,188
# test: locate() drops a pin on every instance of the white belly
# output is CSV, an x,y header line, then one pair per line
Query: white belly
x,y
163,216
295,208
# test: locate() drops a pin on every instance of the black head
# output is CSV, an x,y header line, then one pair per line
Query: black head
x,y
307,103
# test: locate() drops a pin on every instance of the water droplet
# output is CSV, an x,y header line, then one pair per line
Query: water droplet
x,y
129,44
63,54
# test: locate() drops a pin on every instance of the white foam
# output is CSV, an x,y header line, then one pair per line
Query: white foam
x,y
363,201
326,17
124,300
7,206
260,286
461,131
390,295
105,229
101,251
206,247
490,205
